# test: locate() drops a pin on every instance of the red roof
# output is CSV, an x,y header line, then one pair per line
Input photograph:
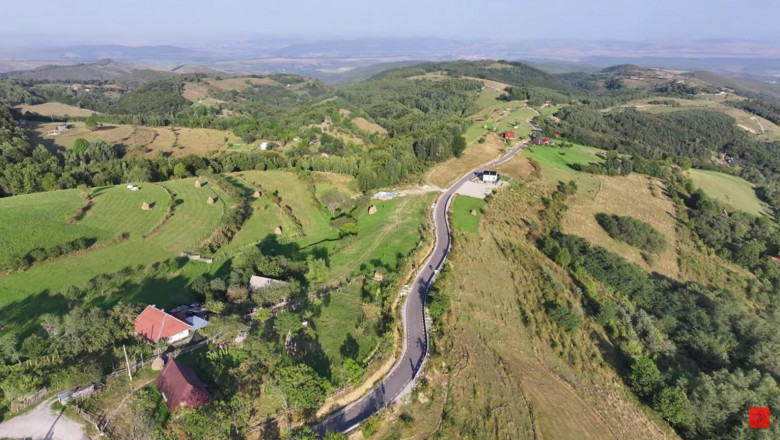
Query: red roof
x,y
545,139
155,324
180,386
509,134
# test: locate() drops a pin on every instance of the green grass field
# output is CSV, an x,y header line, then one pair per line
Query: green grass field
x,y
556,165
296,194
338,319
40,220
461,213
192,221
735,192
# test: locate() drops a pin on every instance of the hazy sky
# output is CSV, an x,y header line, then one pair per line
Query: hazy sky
x,y
219,21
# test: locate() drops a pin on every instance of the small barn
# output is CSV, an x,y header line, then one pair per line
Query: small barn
x,y
489,176
509,134
546,141
264,146
536,141
180,386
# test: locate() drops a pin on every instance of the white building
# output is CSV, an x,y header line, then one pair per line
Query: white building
x,y
489,176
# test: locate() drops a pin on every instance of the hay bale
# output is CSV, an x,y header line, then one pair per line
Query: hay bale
x,y
278,230
473,212
198,184
372,210
377,276
210,201
145,206
256,194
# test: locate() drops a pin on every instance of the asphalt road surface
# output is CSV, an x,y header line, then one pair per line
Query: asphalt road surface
x,y
400,380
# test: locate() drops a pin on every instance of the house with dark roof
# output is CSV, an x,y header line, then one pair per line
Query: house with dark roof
x,y
155,324
180,386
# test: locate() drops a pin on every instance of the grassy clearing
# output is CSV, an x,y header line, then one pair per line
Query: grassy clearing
x,y
264,219
337,322
365,124
445,173
628,196
296,194
324,182
54,109
735,192
549,110
556,165
385,238
461,216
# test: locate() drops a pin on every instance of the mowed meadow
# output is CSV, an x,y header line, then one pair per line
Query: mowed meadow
x,y
139,140
127,239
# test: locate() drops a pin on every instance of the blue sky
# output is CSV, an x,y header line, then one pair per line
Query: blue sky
x,y
220,21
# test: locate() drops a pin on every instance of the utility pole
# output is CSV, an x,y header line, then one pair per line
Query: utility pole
x,y
127,362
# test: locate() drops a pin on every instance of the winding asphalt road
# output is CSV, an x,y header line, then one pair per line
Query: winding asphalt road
x,y
401,378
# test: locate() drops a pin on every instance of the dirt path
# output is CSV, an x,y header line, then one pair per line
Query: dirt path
x,y
44,424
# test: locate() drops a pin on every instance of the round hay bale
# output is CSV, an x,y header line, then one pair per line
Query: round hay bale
x,y
145,206
256,194
198,184
372,210
210,201
278,230
473,212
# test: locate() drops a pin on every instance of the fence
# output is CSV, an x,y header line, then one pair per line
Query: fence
x,y
26,401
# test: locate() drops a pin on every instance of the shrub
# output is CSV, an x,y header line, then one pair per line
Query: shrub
x,y
565,317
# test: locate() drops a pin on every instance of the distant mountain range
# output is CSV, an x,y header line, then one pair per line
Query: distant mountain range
x,y
329,60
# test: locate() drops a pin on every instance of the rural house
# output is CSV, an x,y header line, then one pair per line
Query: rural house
x,y
154,324
257,282
489,176
509,135
180,386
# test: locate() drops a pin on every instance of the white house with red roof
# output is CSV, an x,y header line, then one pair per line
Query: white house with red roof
x,y
154,324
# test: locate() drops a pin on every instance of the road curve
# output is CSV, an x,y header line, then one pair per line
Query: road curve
x,y
401,378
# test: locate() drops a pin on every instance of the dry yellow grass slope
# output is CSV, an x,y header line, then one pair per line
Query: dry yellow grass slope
x,y
514,374
369,126
55,109
629,196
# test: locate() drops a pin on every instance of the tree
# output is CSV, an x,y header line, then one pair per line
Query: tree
x,y
80,145
180,170
317,270
287,322
673,405
458,145
349,229
8,347
301,385
563,257
334,435
645,377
